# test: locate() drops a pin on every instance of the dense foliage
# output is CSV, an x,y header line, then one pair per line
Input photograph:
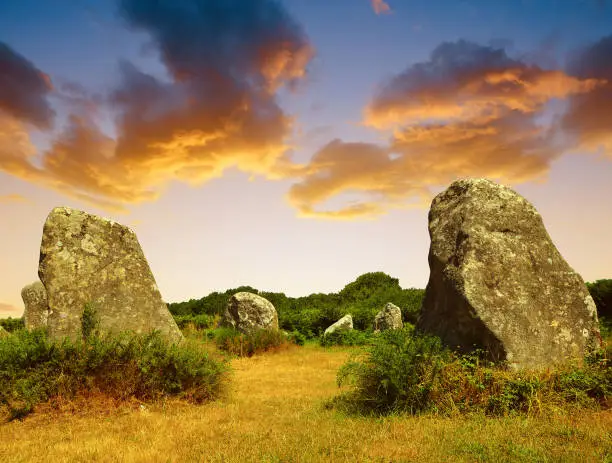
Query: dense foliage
x,y
405,372
12,324
601,291
254,342
311,315
346,338
33,369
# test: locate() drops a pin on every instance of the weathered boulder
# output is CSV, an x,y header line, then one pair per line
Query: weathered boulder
x,y
498,282
247,311
389,318
344,324
36,310
86,259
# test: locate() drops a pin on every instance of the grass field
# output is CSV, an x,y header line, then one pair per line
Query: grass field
x,y
275,412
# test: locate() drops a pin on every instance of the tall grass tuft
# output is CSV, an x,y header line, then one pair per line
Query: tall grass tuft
x,y
146,367
253,342
405,372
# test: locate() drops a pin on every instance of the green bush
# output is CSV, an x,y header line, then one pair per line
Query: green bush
x,y
198,322
404,372
346,338
33,369
297,338
254,342
12,324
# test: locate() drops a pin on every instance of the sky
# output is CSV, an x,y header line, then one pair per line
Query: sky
x,y
294,145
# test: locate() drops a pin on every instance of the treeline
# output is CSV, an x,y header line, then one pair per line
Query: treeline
x,y
311,315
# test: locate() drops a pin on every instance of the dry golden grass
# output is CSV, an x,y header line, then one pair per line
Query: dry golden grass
x,y
274,412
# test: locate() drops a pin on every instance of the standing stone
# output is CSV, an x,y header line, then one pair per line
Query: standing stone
x,y
389,318
247,312
36,310
344,324
498,282
85,259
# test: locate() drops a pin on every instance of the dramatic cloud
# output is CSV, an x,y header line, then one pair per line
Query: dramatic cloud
x,y
226,60
380,6
589,115
463,80
23,89
468,111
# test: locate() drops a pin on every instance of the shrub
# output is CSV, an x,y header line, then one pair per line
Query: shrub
x,y
12,324
197,322
346,338
254,342
33,369
412,373
297,338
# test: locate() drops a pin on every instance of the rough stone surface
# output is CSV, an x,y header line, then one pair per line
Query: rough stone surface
x,y
389,318
247,311
497,281
345,323
36,310
86,259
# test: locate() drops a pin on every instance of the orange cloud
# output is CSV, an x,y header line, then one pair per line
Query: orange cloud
x,y
218,111
587,119
469,111
380,6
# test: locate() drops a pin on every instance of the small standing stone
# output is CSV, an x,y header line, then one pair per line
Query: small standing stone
x,y
36,312
389,318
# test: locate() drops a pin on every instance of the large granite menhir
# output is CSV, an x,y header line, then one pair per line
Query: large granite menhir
x,y
86,259
498,282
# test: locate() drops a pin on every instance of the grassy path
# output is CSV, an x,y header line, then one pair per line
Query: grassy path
x,y
274,413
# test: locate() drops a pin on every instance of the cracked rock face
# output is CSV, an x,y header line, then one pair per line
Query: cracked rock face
x,y
36,310
389,318
86,259
498,282
247,311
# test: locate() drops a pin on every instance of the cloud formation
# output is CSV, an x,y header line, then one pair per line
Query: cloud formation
x,y
380,6
588,116
469,110
226,60
23,89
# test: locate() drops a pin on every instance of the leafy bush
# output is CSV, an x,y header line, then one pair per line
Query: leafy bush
x,y
601,291
254,342
297,338
33,369
90,321
346,338
197,322
412,373
12,324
